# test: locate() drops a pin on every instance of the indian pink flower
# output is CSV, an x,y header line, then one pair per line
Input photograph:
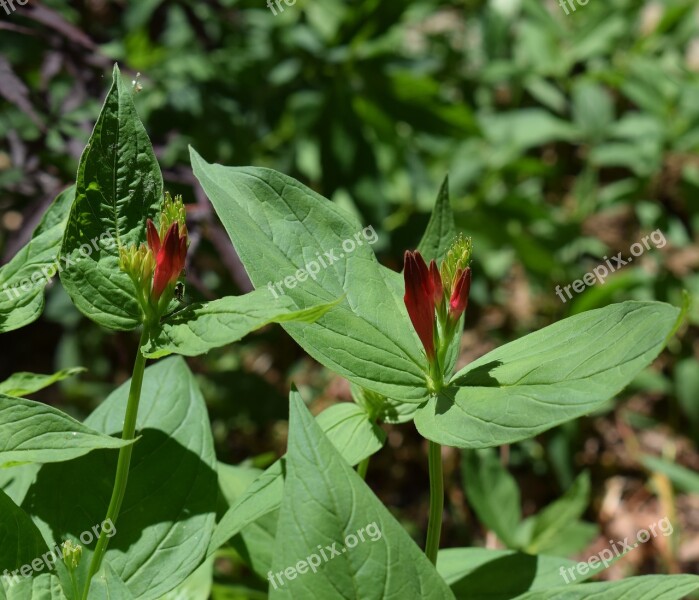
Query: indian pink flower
x,y
420,299
459,295
437,296
170,255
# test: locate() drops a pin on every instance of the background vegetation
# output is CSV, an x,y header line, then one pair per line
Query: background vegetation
x,y
567,138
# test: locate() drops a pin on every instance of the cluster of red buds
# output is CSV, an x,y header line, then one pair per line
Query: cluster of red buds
x,y
437,297
156,267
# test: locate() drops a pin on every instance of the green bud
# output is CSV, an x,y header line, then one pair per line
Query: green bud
x,y
72,553
172,211
455,262
138,263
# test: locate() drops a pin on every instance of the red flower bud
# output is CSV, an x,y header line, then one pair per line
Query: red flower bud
x,y
420,299
459,295
169,258
153,237
436,278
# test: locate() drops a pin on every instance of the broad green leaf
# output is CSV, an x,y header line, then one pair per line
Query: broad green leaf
x,y
478,572
168,513
255,542
23,279
202,327
493,493
440,229
571,539
331,519
551,376
683,479
118,187
261,498
551,528
593,110
368,338
16,481
32,432
23,384
20,540
197,586
233,480
352,433
107,585
511,133
43,587
657,587
354,436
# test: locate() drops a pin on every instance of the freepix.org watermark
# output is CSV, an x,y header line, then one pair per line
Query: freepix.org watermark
x,y
48,560
606,556
600,273
327,553
278,3
312,268
9,5
45,274
568,5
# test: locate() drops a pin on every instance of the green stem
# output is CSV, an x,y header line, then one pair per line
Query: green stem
x,y
362,467
434,526
124,462
74,584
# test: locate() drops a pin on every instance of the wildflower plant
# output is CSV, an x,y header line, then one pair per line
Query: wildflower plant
x,y
394,337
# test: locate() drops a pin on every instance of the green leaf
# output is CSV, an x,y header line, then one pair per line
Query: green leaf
x,y
593,110
330,519
233,480
551,376
16,481
440,229
352,433
683,479
197,586
354,436
32,432
107,585
478,572
23,279
368,338
571,539
256,543
20,540
23,384
552,526
168,512
202,327
118,187
657,587
43,587
493,493
511,133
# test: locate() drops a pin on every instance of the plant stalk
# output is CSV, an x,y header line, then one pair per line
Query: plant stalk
x,y
124,462
434,525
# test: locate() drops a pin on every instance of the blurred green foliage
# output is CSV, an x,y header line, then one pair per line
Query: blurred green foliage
x,y
567,138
